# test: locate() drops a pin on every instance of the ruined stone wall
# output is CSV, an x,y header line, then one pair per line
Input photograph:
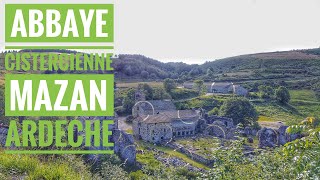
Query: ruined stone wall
x,y
3,136
124,146
228,122
269,137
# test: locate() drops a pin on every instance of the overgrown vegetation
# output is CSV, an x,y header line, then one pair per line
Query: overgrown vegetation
x,y
42,167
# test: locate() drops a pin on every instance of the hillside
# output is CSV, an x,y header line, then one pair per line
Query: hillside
x,y
286,65
296,67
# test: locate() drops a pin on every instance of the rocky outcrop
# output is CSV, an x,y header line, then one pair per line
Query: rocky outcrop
x,y
268,137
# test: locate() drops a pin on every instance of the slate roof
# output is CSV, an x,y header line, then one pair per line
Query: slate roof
x,y
162,105
221,84
169,116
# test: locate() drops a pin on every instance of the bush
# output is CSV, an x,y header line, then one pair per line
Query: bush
x,y
214,111
240,110
183,93
160,94
137,175
266,92
282,94
169,84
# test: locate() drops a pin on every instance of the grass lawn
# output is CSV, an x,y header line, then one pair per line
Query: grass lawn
x,y
274,112
303,95
201,146
305,102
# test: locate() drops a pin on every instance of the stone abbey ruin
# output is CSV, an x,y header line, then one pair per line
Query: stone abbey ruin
x,y
158,121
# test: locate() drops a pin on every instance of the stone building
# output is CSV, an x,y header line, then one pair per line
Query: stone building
x,y
222,88
158,120
166,125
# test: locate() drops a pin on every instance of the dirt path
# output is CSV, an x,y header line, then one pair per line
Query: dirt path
x,y
123,125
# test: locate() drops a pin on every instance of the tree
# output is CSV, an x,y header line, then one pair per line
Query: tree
x,y
160,94
240,110
200,87
145,74
282,94
316,89
266,92
169,84
128,71
214,111
210,72
129,100
147,90
153,76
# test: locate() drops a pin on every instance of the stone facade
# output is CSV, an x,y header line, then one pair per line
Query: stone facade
x,y
221,87
158,121
165,125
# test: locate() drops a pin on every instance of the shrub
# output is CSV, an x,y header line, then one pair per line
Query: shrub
x,y
240,110
183,93
169,84
282,94
214,111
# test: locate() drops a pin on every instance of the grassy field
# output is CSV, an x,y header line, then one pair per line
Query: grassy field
x,y
41,167
201,146
303,104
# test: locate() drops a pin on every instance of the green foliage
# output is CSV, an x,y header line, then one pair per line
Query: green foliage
x,y
184,172
129,100
3,119
214,111
137,175
305,151
47,168
182,93
169,84
210,72
160,94
316,89
112,171
147,90
240,110
200,87
110,167
266,92
282,94
206,102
